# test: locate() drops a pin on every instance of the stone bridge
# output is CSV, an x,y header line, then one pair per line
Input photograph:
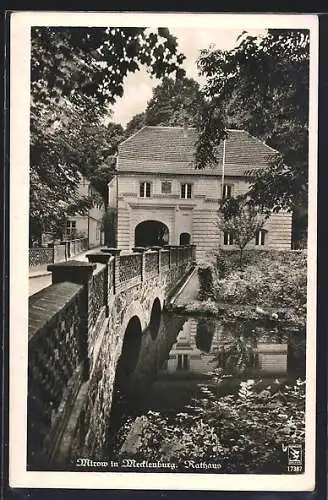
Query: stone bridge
x,y
84,331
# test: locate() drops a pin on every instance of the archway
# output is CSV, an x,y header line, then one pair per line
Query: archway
x,y
151,233
155,318
184,239
131,347
125,369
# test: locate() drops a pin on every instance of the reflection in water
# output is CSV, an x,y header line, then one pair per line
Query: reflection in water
x,y
185,351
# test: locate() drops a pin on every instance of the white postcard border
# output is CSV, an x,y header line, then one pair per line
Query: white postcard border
x,y
21,23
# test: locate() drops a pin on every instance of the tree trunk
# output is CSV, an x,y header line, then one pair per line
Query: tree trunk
x,y
240,258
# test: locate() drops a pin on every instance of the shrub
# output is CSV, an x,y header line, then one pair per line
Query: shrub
x,y
271,279
206,281
243,432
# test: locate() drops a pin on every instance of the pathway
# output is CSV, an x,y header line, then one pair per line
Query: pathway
x,y
189,292
41,278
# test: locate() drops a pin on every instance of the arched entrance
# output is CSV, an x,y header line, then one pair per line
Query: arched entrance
x,y
184,239
151,233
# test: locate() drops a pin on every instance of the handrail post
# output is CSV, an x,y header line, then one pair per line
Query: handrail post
x,y
102,258
116,253
79,272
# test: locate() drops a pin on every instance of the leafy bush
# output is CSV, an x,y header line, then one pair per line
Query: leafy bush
x,y
206,281
272,279
207,307
243,432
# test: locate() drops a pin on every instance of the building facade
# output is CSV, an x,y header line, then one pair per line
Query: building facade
x,y
162,199
90,225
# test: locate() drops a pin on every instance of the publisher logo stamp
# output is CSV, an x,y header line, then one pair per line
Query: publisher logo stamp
x,y
294,454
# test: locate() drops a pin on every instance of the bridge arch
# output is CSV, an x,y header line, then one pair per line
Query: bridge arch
x,y
155,317
131,346
151,233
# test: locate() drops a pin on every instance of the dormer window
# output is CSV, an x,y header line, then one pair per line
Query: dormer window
x,y
185,190
144,189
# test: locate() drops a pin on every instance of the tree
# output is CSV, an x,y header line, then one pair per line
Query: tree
x,y
135,124
94,61
242,220
175,102
75,74
109,226
101,170
262,86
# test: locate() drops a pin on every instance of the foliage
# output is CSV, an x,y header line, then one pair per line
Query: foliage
x,y
109,226
75,74
93,62
270,279
205,307
135,124
243,432
59,154
206,284
211,132
242,220
262,86
175,102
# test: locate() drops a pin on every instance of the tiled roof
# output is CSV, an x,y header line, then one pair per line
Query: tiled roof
x,y
170,150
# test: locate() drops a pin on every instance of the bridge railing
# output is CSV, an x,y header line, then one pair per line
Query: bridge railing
x,y
130,269
56,360
165,259
66,324
151,263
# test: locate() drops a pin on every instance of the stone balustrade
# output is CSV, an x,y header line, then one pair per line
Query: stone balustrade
x,y
67,322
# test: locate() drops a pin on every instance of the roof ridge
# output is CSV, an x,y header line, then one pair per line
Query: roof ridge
x,y
264,143
131,136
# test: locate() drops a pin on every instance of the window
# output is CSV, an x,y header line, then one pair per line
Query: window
x,y
185,190
71,228
227,238
144,189
260,237
183,362
227,190
166,187
98,232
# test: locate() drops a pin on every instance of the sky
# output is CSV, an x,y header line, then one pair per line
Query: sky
x,y
138,86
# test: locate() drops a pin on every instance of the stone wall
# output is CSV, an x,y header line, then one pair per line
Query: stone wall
x,y
39,256
77,328
55,365
59,252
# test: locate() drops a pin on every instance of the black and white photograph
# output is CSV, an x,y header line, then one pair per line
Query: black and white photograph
x,y
163,250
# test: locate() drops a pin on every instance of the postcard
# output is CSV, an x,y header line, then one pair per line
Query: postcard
x,y
163,179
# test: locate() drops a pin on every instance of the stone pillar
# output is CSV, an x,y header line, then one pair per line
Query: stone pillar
x,y
78,272
141,250
103,258
116,253
168,247
158,249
